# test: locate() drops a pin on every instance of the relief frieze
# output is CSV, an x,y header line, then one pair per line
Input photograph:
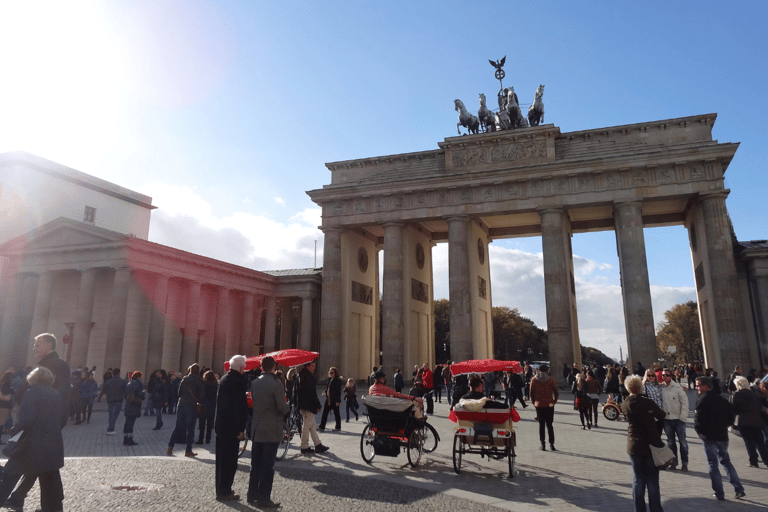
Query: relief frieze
x,y
500,153
361,293
419,291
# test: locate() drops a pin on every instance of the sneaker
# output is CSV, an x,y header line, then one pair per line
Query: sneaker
x,y
583,427
740,495
307,451
111,433
721,498
321,448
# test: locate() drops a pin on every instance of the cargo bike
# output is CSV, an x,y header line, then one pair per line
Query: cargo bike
x,y
393,424
480,430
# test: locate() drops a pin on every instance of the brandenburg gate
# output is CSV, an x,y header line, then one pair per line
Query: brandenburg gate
x,y
533,181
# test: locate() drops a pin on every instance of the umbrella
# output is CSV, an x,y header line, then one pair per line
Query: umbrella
x,y
484,366
288,357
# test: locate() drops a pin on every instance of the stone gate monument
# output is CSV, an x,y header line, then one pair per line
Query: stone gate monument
x,y
514,183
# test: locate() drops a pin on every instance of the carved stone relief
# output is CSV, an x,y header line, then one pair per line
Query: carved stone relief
x,y
482,288
500,153
419,291
362,260
420,256
362,294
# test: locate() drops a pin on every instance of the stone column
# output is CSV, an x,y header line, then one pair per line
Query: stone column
x,y
305,342
191,326
248,312
118,308
635,285
270,330
286,324
761,305
157,325
83,318
557,289
459,288
260,305
220,348
10,331
393,327
331,309
729,316
42,309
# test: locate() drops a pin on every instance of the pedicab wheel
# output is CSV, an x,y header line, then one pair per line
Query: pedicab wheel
x,y
366,444
611,413
457,450
415,447
431,438
511,460
285,443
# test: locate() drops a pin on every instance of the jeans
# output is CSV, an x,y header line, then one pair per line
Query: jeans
x,y
184,432
128,426
646,477
159,422
719,450
263,457
114,411
676,428
546,416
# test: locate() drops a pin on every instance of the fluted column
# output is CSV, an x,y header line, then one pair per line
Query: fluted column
x,y
270,330
191,326
248,311
635,285
729,316
118,308
221,351
83,318
393,327
459,288
305,342
761,305
42,309
157,324
10,329
332,308
557,289
286,324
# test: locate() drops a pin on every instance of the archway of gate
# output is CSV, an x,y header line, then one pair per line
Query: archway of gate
x,y
534,181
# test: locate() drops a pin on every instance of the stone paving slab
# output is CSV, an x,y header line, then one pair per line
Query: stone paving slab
x,y
590,472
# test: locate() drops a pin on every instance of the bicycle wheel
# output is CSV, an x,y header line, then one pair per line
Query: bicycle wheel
x,y
415,447
431,438
366,444
511,459
243,448
457,451
285,443
611,413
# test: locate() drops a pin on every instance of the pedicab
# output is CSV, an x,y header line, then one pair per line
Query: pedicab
x,y
292,427
393,423
488,432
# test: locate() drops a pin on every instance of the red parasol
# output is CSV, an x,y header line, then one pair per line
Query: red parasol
x,y
289,357
484,366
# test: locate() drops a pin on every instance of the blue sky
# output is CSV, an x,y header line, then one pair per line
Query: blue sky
x,y
227,112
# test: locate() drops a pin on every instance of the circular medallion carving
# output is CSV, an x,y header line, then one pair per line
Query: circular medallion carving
x,y
480,251
419,256
362,260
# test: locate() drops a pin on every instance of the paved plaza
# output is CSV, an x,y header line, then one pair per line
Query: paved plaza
x,y
590,471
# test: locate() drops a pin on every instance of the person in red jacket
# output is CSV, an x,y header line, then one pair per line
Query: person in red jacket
x,y
428,386
544,395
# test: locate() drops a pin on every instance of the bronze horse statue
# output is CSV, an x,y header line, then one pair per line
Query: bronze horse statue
x,y
486,117
536,110
467,120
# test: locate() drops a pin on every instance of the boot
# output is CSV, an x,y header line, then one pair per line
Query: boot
x,y
552,447
543,447
200,439
128,441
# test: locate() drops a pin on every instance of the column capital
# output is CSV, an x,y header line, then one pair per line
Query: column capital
x,y
624,204
550,209
715,194
394,223
331,229
457,218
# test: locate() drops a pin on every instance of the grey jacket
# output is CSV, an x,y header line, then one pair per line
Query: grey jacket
x,y
39,418
269,408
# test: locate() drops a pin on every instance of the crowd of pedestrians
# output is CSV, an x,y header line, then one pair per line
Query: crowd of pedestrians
x,y
42,399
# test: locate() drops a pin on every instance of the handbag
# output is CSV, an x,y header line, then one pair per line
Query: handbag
x,y
133,398
662,457
15,445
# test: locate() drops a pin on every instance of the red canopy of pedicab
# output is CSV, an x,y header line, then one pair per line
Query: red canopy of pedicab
x,y
289,357
484,366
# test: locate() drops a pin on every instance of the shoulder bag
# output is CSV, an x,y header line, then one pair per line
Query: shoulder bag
x,y
662,457
15,445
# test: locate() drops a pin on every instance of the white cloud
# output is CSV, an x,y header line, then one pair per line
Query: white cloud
x,y
280,201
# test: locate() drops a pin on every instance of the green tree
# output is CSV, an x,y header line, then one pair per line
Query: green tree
x,y
680,330
441,310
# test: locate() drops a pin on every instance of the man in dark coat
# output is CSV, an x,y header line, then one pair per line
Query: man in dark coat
x,y
191,391
309,405
114,389
712,418
229,424
44,349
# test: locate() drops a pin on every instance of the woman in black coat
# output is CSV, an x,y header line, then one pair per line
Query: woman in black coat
x,y
40,419
332,398
159,395
746,406
208,412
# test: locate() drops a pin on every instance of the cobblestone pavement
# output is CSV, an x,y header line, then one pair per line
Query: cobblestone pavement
x,y
590,471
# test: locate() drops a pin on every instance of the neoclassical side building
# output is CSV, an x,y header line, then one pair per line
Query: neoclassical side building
x,y
114,299
527,182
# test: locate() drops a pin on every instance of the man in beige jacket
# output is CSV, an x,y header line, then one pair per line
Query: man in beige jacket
x,y
675,404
